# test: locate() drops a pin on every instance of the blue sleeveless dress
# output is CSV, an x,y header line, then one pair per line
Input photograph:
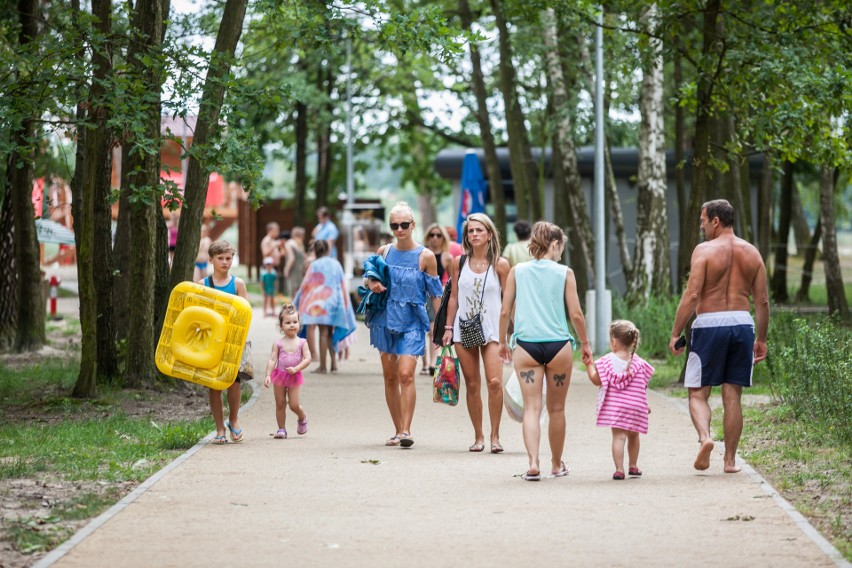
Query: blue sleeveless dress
x,y
401,327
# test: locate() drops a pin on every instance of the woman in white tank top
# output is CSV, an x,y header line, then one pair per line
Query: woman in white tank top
x,y
477,289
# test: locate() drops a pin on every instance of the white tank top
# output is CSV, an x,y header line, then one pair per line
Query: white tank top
x,y
470,292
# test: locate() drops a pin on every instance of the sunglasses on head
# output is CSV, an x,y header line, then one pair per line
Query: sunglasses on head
x,y
435,235
404,226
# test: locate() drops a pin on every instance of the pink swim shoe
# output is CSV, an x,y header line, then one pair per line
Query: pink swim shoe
x,y
302,426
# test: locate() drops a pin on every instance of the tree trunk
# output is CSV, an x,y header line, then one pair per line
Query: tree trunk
x,y
835,290
736,187
764,208
29,332
121,248
778,284
143,175
703,132
9,276
799,224
651,274
520,156
803,295
103,264
492,164
564,136
206,132
300,184
326,83
680,175
95,152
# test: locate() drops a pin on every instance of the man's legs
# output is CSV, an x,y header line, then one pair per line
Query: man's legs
x,y
699,411
731,396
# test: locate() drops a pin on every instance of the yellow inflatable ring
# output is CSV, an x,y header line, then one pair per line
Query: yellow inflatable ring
x,y
203,335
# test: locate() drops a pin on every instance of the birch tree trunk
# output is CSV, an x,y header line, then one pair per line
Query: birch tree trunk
x,y
149,21
565,138
837,303
206,131
652,273
492,164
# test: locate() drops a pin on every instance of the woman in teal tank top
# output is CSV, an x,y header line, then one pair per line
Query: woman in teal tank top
x,y
536,295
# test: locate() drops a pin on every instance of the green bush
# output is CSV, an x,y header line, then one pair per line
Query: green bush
x,y
812,372
654,322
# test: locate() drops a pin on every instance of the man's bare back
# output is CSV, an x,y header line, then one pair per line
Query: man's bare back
x,y
731,267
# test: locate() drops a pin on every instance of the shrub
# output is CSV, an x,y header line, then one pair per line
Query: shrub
x,y
812,373
654,321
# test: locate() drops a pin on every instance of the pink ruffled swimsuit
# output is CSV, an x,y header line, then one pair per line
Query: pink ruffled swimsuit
x,y
286,359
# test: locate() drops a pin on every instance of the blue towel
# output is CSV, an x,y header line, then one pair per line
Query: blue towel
x,y
371,303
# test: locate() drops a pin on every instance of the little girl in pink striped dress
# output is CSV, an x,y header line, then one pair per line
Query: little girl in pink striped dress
x,y
289,356
623,379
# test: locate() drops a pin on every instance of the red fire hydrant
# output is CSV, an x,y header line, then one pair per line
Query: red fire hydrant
x,y
54,288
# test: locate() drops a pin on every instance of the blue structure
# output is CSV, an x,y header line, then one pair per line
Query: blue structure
x,y
472,190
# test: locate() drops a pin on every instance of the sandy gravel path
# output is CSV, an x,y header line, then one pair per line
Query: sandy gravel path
x,y
319,500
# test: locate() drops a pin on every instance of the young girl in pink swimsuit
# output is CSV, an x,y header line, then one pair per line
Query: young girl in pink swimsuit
x,y
289,356
623,379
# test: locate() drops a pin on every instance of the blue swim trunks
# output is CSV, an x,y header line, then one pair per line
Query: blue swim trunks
x,y
721,350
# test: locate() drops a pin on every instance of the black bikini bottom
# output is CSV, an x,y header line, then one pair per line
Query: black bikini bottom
x,y
543,352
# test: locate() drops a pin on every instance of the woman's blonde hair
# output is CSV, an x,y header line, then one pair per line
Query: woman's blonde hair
x,y
445,243
402,207
494,250
543,234
626,334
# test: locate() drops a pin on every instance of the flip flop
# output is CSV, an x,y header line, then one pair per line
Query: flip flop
x,y
476,447
405,440
618,475
496,448
393,441
220,440
236,435
531,476
565,470
634,472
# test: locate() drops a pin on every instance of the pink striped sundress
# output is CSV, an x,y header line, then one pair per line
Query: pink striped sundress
x,y
622,397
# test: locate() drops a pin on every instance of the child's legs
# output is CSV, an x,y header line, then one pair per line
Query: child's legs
x,y
217,410
280,405
619,438
294,394
632,449
531,378
234,394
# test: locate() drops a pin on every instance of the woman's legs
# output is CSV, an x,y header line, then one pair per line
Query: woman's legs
x,y
619,437
469,361
392,394
280,405
294,394
494,382
405,365
558,373
323,347
530,375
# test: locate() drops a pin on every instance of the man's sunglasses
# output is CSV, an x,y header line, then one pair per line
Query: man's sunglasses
x,y
405,225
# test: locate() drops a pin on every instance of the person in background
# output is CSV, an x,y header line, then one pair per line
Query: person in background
x,y
202,259
326,230
174,219
267,280
456,248
283,238
519,251
294,266
439,243
269,244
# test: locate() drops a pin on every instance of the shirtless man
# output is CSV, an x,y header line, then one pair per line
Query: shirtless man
x,y
725,273
269,244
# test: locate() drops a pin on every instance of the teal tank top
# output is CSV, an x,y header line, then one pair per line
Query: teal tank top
x,y
540,302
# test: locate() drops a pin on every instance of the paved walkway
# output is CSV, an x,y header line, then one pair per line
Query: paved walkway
x,y
339,497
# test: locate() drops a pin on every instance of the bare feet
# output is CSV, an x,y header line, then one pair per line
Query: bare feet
x,y
702,461
732,469
320,371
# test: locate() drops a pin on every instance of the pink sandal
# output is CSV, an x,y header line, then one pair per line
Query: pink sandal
x,y
302,427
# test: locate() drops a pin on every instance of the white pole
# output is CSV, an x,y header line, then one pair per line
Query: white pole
x,y
601,332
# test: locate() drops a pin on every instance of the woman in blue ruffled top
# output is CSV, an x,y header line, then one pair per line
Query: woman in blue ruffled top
x,y
398,330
